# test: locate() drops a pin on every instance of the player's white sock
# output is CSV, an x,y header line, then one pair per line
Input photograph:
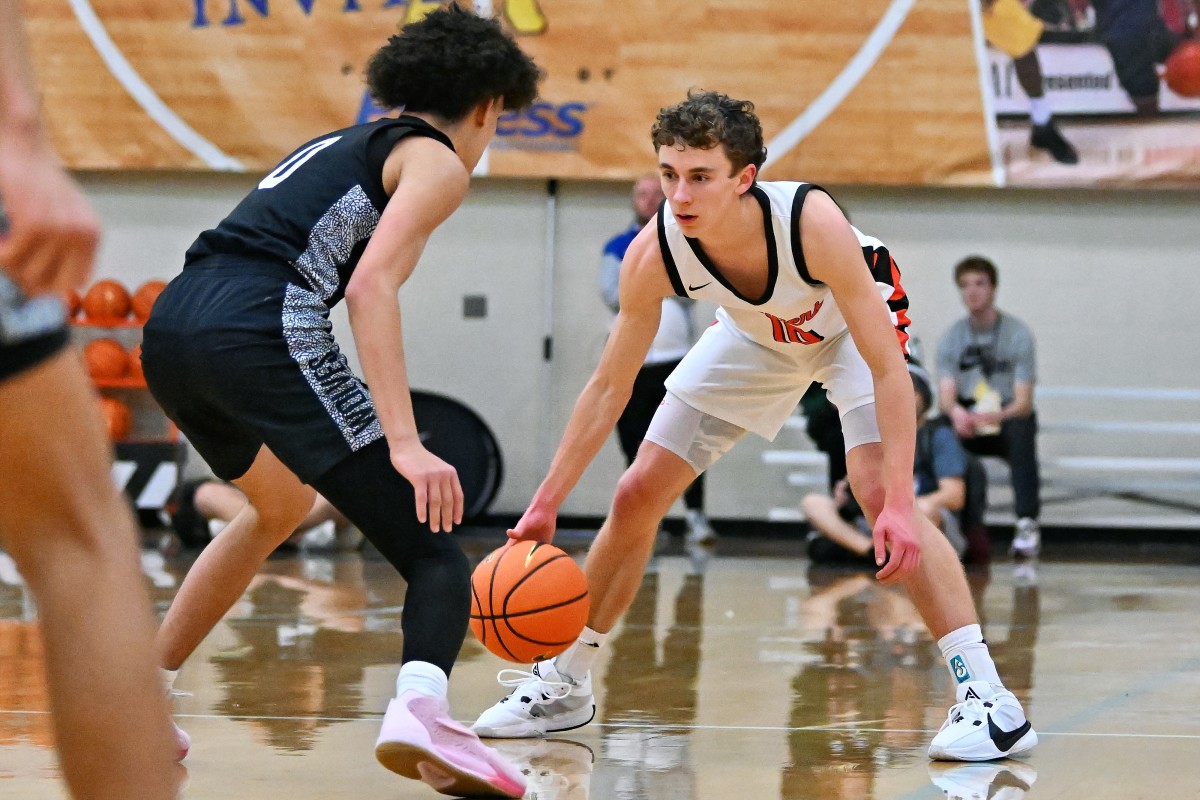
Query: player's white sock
x,y
1039,111
967,656
169,676
423,678
579,657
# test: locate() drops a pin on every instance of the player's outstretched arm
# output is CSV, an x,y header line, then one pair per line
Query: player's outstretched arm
x,y
835,258
430,183
643,285
51,232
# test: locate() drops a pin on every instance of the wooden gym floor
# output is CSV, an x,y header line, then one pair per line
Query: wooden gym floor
x,y
743,672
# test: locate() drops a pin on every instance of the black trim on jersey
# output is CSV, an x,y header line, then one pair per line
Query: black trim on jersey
x,y
772,253
382,140
665,247
797,248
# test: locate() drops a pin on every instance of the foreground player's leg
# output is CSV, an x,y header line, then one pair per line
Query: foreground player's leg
x,y
72,536
557,695
987,720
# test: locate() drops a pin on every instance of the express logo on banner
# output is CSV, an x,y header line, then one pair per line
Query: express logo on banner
x,y
542,126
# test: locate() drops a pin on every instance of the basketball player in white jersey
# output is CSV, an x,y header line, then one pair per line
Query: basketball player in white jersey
x,y
797,304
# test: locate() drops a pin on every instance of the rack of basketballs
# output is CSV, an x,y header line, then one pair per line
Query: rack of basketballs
x,y
108,319
149,454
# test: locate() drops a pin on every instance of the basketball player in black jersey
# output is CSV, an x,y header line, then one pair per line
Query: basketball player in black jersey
x,y
240,354
61,518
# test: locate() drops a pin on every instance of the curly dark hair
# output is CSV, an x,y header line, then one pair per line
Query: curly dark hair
x,y
707,119
448,63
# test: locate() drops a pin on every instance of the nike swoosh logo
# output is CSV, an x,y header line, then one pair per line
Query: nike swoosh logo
x,y
590,644
1004,740
696,288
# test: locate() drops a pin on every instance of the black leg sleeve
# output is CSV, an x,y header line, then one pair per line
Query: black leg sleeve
x,y
379,501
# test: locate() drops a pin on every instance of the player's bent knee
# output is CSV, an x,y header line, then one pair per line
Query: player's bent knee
x,y
632,493
283,514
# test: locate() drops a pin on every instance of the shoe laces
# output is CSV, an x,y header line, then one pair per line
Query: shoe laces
x,y
972,708
548,689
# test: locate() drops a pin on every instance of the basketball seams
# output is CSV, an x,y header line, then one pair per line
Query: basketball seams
x,y
529,574
530,612
492,598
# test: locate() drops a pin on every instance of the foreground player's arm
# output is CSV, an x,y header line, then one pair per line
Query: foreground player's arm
x,y
835,259
643,285
430,183
52,232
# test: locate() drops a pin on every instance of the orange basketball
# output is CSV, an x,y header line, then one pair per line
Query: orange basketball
x,y
107,301
117,418
529,602
1183,69
106,359
144,297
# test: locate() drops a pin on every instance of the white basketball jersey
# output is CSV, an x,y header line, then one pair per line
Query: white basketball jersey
x,y
795,312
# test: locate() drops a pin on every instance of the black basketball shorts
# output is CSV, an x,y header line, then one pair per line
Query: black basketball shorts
x,y
31,330
241,355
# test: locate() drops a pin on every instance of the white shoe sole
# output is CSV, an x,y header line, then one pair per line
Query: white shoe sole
x,y
985,751
538,727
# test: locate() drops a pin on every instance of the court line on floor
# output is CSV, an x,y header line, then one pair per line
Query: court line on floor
x,y
142,94
656,727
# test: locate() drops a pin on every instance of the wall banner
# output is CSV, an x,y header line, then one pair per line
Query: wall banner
x,y
900,92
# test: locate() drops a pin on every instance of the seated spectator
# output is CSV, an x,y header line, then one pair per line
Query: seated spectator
x,y
941,468
824,427
201,508
987,370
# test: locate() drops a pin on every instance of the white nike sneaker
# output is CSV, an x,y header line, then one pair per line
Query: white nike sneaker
x,y
1004,780
986,723
543,702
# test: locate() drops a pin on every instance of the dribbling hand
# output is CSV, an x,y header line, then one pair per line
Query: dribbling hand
x,y
436,487
896,544
536,525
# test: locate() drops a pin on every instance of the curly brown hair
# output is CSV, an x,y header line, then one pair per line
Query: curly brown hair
x,y
707,119
448,63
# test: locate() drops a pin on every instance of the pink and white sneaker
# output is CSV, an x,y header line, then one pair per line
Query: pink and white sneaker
x,y
419,740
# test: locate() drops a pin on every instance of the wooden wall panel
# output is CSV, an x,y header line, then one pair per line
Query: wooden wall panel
x,y
239,96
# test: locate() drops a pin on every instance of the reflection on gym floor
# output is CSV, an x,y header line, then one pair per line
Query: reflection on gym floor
x,y
742,672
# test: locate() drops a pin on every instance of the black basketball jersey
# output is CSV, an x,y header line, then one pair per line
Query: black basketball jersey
x,y
316,211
